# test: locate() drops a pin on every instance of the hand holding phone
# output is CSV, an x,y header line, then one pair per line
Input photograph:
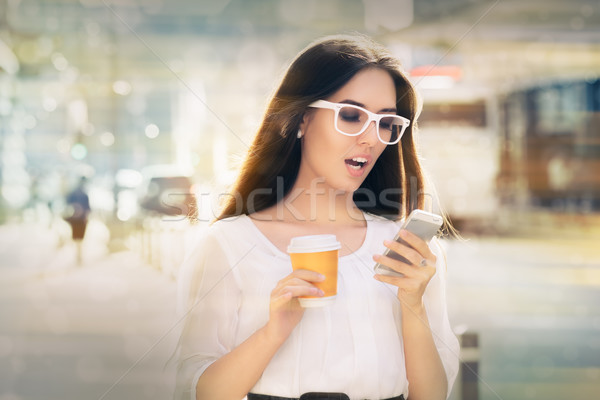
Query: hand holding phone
x,y
423,224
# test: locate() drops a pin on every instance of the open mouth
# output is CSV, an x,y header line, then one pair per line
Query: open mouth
x,y
356,163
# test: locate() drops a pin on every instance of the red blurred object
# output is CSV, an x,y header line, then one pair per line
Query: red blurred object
x,y
452,71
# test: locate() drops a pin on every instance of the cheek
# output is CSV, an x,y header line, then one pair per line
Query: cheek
x,y
326,141
378,151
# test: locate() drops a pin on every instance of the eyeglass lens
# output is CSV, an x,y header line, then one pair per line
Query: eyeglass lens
x,y
352,121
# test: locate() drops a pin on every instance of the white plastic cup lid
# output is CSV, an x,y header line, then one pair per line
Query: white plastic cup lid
x,y
313,244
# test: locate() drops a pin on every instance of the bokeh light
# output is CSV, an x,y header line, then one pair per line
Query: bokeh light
x,y
152,131
59,61
122,88
79,151
107,139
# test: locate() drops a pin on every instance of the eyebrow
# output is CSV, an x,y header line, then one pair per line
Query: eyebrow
x,y
356,103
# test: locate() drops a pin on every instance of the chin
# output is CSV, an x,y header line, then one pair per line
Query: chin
x,y
345,184
349,187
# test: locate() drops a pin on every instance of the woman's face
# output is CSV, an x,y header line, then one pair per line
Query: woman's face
x,y
345,161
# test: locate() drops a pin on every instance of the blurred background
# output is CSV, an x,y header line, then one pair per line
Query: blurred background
x,y
154,104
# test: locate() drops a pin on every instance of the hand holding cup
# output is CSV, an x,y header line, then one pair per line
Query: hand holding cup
x,y
318,253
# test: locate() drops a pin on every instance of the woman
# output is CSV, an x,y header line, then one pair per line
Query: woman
x,y
334,154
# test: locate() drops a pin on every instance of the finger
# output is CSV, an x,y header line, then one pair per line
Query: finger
x,y
409,285
417,243
294,281
393,264
404,250
306,275
281,299
302,290
398,281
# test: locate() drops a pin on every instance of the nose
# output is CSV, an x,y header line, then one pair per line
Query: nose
x,y
369,136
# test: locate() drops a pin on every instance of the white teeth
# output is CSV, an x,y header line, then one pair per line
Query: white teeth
x,y
359,161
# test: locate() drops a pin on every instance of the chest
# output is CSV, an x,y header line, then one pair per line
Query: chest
x,y
351,238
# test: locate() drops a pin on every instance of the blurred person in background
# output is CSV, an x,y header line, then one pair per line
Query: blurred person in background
x,y
78,210
334,154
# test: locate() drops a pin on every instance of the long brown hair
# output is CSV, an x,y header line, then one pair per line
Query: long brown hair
x,y
393,188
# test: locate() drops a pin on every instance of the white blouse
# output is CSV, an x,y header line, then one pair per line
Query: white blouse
x,y
353,345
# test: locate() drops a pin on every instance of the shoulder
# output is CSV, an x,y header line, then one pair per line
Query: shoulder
x,y
230,236
216,245
231,226
225,231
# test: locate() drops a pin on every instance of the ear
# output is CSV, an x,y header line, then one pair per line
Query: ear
x,y
306,119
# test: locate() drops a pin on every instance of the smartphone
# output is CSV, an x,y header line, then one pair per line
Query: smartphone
x,y
423,224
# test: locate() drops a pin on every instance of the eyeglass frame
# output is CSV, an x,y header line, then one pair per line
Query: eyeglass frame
x,y
328,105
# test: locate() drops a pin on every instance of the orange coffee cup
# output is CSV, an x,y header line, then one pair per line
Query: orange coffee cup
x,y
317,253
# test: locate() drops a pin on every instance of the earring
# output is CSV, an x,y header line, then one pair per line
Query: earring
x,y
299,134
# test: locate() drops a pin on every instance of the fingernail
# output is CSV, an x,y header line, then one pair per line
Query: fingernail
x,y
321,293
376,257
387,242
322,277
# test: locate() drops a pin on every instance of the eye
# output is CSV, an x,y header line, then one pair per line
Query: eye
x,y
386,124
349,114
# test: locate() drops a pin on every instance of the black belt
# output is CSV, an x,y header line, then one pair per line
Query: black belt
x,y
310,396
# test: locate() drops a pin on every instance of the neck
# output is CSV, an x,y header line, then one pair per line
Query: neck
x,y
318,203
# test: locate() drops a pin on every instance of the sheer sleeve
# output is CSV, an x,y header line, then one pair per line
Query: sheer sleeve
x,y
445,340
208,301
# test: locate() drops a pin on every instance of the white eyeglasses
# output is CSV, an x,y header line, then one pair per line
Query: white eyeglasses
x,y
351,120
